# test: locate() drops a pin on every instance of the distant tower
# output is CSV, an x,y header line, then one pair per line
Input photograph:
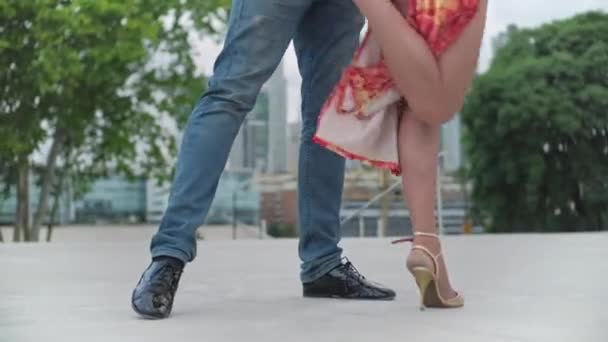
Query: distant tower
x,y
261,143
501,39
451,145
236,160
293,146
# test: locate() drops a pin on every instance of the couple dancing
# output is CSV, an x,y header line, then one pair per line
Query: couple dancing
x,y
384,107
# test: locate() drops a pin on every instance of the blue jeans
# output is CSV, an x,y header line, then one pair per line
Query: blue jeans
x,y
325,35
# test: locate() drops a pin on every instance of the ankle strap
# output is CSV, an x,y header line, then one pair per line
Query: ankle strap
x,y
426,234
411,239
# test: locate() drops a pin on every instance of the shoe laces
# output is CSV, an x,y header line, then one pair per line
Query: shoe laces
x,y
351,269
168,275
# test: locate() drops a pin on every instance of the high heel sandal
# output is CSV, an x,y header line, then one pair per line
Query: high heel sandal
x,y
427,277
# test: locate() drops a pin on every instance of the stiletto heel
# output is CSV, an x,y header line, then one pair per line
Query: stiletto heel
x,y
426,275
423,279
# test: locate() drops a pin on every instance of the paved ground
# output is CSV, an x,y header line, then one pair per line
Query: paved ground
x,y
532,288
78,233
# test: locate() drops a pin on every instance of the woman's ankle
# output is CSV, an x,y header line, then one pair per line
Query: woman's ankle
x,y
431,243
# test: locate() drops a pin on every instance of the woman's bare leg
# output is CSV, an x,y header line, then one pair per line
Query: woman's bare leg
x,y
418,152
433,87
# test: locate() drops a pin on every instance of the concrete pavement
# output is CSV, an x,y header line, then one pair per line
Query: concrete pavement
x,y
532,288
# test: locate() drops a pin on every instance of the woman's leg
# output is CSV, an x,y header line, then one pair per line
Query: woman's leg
x,y
433,87
418,153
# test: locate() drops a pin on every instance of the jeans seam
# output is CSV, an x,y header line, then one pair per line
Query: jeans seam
x,y
308,149
237,14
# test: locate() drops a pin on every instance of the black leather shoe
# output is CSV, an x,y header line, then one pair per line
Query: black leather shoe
x,y
153,296
346,282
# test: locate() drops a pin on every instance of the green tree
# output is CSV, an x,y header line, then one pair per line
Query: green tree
x,y
94,81
536,129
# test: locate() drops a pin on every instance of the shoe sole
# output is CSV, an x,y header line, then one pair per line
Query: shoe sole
x,y
384,299
148,316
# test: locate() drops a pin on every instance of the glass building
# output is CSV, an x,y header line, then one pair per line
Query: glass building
x,y
114,199
261,144
241,183
8,204
250,149
236,194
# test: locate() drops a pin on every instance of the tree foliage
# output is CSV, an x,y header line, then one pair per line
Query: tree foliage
x,y
95,81
537,129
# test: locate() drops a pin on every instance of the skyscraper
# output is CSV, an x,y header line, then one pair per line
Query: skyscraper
x,y
293,146
250,149
501,39
261,144
451,145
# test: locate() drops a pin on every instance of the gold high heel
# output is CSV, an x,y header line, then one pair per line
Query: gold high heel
x,y
427,278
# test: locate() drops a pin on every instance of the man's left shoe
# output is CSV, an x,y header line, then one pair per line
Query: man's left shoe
x,y
154,294
346,282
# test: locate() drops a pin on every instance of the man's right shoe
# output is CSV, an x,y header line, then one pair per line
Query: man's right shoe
x,y
346,282
153,296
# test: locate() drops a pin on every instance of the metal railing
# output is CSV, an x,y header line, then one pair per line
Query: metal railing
x,y
359,212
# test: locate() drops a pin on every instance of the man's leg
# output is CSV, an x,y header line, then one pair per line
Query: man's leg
x,y
325,44
259,32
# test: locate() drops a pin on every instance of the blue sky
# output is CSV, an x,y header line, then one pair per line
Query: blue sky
x,y
523,13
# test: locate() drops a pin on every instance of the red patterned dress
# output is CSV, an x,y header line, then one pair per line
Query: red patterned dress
x,y
361,117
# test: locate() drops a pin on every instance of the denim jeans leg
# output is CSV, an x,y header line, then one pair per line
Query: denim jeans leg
x,y
258,35
325,44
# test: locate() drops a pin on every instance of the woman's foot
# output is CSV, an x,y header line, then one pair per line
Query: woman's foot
x,y
418,256
427,264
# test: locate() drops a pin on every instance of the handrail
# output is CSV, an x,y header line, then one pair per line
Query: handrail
x,y
370,202
378,197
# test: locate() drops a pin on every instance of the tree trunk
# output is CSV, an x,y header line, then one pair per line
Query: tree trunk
x,y
47,182
1,236
49,232
56,200
23,200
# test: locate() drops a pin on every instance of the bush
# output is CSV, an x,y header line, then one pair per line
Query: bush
x,y
277,230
